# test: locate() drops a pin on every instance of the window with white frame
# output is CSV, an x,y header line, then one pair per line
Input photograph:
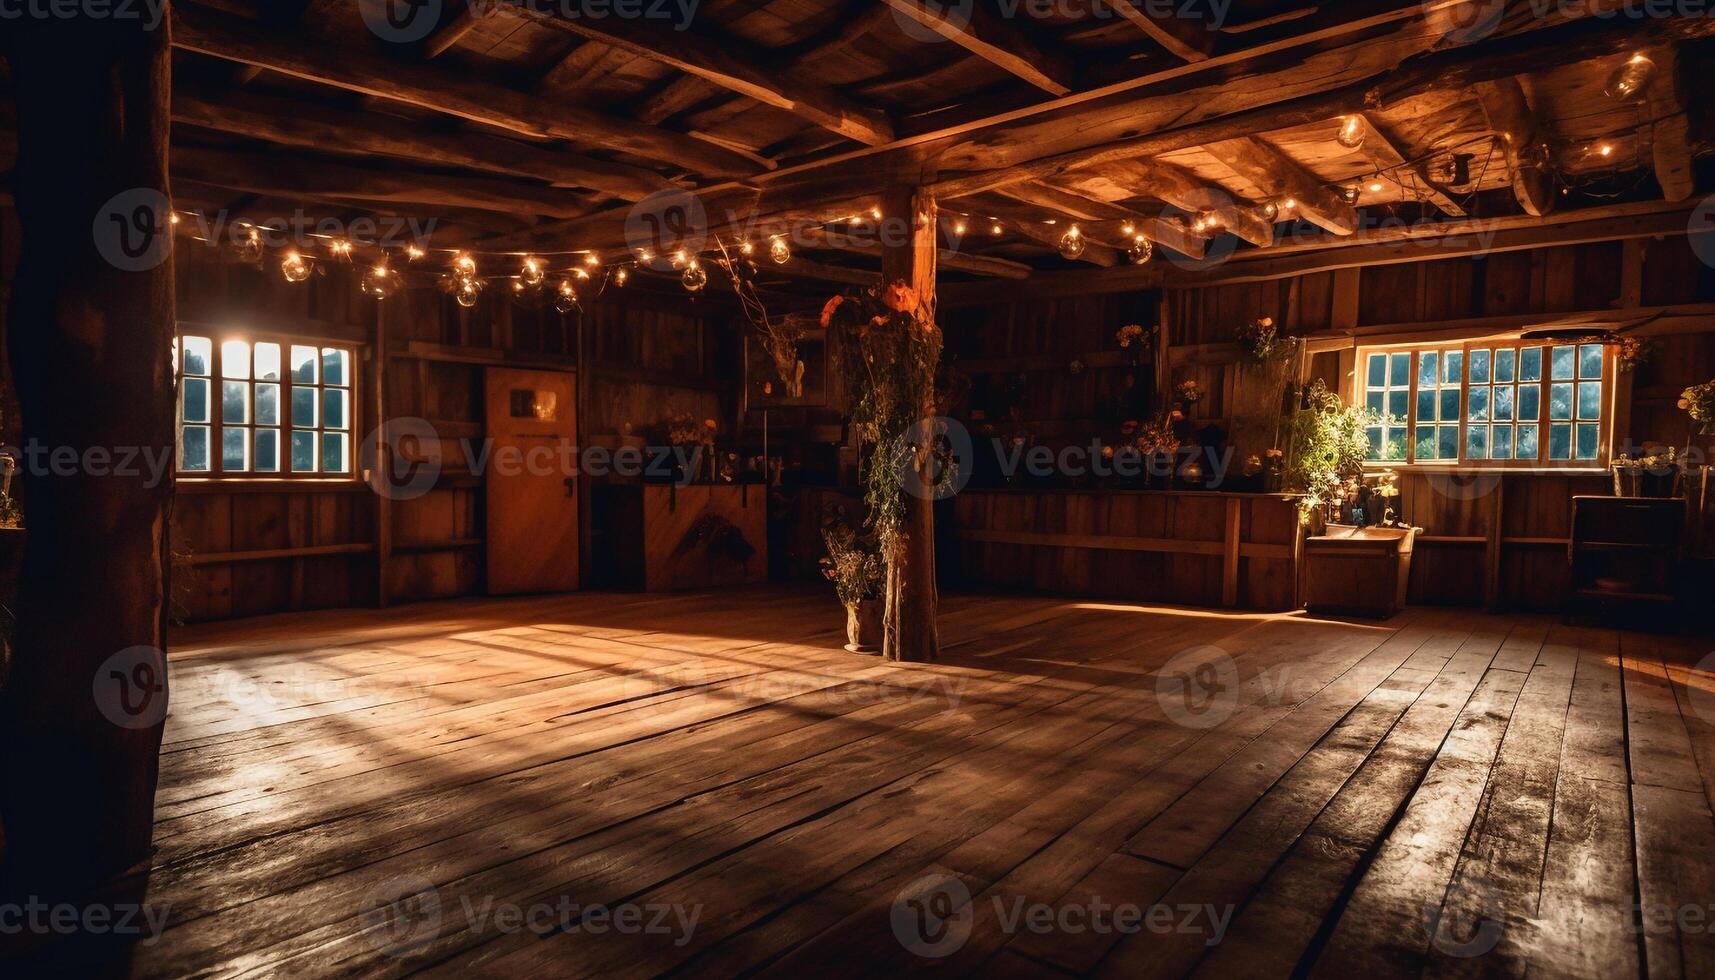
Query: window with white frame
x,y
1510,403
263,407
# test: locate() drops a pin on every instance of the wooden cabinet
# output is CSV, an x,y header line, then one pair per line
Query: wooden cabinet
x,y
667,538
1626,548
1363,571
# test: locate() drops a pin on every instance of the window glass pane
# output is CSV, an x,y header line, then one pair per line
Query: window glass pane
x,y
1479,367
1375,434
234,401
193,448
198,355
1587,433
196,400
267,362
303,365
1529,402
335,370
304,406
1396,442
1527,448
1590,399
1449,404
1530,364
1376,401
1560,441
1449,442
1401,372
1504,364
1378,370
1501,442
1398,402
1477,441
1425,443
1590,361
333,452
1428,368
267,451
1451,364
1479,403
303,452
267,404
1503,407
1561,361
234,450
1426,406
1560,401
234,359
334,401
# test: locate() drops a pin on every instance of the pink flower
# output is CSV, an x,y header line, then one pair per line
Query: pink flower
x,y
829,308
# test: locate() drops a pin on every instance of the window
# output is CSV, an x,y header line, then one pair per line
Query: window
x,y
263,408
1516,404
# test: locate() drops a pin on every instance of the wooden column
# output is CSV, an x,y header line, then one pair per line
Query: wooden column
x,y
910,632
89,337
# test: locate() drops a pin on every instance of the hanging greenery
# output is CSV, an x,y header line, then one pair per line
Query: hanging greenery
x,y
1329,444
779,335
886,348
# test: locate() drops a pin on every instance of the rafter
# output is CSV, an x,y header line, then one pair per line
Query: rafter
x,y
1179,187
1281,177
1383,153
423,85
727,62
1188,38
995,40
1670,127
462,22
1524,144
302,124
948,258
1026,222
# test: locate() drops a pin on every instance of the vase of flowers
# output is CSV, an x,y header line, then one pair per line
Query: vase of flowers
x,y
1259,340
1158,446
1698,401
854,565
1190,393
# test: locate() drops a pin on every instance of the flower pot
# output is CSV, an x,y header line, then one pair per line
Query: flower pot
x,y
863,626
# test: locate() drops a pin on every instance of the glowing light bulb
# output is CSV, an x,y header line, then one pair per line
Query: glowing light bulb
x,y
464,267
1605,150
1375,187
467,292
995,229
1631,79
694,278
1270,211
293,266
592,260
1071,243
379,281
959,227
1352,132
1140,251
619,277
746,248
341,248
875,213
250,246
1349,193
531,274
413,253
779,251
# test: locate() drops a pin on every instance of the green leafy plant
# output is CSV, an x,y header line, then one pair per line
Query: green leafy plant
x,y
853,562
1329,443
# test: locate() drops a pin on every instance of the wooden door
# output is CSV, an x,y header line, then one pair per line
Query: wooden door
x,y
532,511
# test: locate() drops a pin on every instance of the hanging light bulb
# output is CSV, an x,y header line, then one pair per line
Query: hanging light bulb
x,y
1289,205
565,297
994,228
467,292
959,227
1140,251
464,267
379,281
680,258
250,246
413,253
1071,243
694,278
1605,150
619,276
1270,211
531,274
294,267
592,260
1352,132
1631,79
1376,186
778,250
1349,193
1128,229
746,248
341,248
875,213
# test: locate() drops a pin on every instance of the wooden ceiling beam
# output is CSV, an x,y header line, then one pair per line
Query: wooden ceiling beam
x,y
1383,153
1524,144
296,123
1179,187
1162,231
1283,178
1670,128
290,175
997,41
726,62
462,22
315,59
1026,222
948,258
1187,38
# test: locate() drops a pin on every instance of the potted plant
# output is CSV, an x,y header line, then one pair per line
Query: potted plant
x,y
854,565
1330,442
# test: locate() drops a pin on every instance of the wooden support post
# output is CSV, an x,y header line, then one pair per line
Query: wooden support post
x,y
90,341
1230,554
910,631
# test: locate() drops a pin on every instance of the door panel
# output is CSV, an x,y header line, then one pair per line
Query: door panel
x,y
532,511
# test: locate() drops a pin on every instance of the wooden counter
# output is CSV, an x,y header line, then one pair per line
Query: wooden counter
x,y
667,538
1194,548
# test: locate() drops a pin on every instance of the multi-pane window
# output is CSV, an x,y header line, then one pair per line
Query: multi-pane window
x,y
263,408
1514,403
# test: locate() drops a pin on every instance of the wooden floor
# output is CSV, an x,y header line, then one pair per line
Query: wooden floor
x,y
1119,790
